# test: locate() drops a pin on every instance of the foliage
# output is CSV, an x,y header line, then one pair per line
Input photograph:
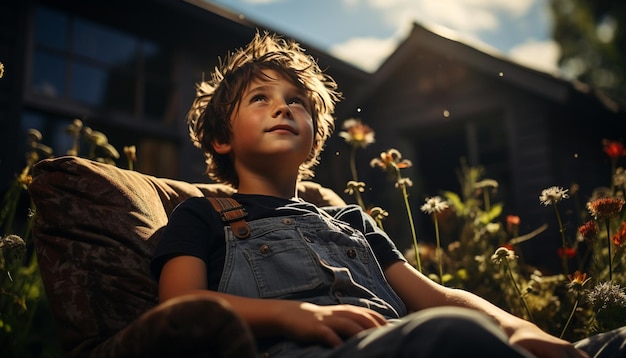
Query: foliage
x,y
486,259
26,326
592,38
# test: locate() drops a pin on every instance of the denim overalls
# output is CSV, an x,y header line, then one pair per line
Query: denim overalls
x,y
308,257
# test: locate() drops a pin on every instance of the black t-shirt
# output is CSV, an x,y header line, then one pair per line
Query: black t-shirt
x,y
196,229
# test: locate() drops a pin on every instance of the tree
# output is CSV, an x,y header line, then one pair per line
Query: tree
x,y
592,36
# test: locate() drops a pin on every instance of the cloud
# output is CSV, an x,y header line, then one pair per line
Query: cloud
x,y
469,16
262,2
540,55
367,53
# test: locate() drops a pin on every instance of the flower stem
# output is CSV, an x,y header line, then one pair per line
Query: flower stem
x,y
563,242
608,243
357,194
569,319
439,255
405,195
353,164
519,292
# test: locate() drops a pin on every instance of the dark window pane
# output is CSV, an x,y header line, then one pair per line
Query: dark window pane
x,y
88,84
103,44
157,59
51,28
157,100
119,92
48,75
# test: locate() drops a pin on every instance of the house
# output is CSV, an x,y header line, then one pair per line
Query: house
x,y
438,99
128,69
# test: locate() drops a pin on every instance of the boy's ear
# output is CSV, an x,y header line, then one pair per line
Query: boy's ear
x,y
221,148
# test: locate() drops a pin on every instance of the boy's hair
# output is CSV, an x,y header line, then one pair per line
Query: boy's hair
x,y
218,97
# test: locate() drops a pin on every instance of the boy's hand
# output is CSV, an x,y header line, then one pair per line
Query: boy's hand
x,y
304,321
542,344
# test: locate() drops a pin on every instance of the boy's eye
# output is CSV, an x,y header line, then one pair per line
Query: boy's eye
x,y
296,100
258,98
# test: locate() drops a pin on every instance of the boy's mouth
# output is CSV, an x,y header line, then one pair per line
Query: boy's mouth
x,y
283,127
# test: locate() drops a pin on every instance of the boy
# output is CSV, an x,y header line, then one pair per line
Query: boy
x,y
310,282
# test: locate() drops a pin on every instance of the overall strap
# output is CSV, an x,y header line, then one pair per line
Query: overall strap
x,y
233,214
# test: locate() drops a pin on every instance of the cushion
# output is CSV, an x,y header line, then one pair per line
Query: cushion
x,y
95,229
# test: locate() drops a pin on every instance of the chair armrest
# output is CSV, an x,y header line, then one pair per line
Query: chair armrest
x,y
188,326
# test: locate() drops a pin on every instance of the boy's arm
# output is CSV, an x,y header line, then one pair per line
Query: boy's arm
x,y
295,320
419,292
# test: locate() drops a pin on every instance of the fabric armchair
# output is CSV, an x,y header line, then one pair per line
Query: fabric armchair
x,y
95,229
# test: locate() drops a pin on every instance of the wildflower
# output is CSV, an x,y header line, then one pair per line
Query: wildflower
x,y
378,213
567,252
613,149
553,195
577,281
607,294
354,186
576,285
502,254
589,230
403,182
512,224
605,208
356,133
391,159
131,153
619,238
434,205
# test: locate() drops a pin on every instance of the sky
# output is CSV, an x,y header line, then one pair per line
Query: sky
x,y
365,32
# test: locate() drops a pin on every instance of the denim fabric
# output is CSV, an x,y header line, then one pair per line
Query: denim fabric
x,y
310,258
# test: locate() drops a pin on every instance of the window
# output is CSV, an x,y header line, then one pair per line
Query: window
x,y
80,61
121,84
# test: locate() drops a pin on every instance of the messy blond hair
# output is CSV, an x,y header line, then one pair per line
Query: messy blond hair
x,y
218,97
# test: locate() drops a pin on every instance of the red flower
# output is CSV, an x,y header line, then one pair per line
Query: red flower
x,y
512,224
619,238
589,230
569,252
613,149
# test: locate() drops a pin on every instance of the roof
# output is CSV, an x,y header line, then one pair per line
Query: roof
x,y
487,61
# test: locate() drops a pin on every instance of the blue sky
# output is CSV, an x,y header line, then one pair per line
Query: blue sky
x,y
365,32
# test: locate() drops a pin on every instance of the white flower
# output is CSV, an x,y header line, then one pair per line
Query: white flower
x,y
607,294
553,195
434,205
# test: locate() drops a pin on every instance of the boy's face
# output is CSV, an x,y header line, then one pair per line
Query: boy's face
x,y
271,125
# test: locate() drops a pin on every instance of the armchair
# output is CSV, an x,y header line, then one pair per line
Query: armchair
x,y
95,229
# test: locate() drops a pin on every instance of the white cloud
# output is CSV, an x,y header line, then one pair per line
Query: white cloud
x,y
367,53
540,55
262,2
469,16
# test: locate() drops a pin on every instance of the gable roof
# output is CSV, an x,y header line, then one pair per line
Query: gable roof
x,y
487,61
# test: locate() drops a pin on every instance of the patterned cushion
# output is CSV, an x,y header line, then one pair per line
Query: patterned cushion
x,y
95,230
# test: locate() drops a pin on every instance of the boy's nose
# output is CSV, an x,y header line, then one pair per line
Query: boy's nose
x,y
283,108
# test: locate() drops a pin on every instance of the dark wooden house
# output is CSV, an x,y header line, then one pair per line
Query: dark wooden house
x,y
438,100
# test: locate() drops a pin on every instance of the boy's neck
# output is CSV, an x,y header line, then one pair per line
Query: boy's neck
x,y
266,186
